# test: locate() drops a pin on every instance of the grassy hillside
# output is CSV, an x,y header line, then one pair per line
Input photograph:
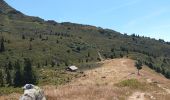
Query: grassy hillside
x,y
49,43
114,79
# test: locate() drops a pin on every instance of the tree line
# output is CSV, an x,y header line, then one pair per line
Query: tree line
x,y
152,60
18,74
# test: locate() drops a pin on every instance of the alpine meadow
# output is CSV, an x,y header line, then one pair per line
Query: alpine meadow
x,y
38,51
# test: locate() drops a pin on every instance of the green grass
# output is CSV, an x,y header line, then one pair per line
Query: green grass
x,y
132,84
9,90
52,76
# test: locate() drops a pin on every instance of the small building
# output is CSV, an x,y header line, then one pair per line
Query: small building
x,y
72,68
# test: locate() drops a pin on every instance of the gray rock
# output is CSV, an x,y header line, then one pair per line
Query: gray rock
x,y
32,92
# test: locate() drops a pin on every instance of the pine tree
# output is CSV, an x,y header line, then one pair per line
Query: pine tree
x,y
23,37
40,36
2,47
163,71
18,75
1,79
38,65
52,63
88,54
10,67
138,65
46,63
8,78
57,41
30,47
29,76
167,74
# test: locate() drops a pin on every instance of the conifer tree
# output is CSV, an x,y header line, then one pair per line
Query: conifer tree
x,y
2,47
29,76
23,37
8,77
52,63
46,63
30,46
167,74
18,75
138,65
1,79
10,67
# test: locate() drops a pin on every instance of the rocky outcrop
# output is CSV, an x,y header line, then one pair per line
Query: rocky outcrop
x,y
32,92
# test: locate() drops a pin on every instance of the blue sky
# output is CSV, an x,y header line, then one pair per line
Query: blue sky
x,y
144,17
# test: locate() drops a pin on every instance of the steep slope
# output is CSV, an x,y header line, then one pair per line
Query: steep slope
x,y
63,44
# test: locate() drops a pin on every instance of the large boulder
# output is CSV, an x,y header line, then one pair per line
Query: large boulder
x,y
32,92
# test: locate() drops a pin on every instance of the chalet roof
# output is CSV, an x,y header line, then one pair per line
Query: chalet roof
x,y
73,67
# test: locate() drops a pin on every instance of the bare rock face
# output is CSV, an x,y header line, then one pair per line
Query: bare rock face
x,y
32,92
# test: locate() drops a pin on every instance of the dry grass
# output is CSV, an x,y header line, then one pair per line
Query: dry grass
x,y
96,92
13,96
101,84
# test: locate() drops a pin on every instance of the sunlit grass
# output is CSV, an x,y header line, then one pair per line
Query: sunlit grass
x,y
131,83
